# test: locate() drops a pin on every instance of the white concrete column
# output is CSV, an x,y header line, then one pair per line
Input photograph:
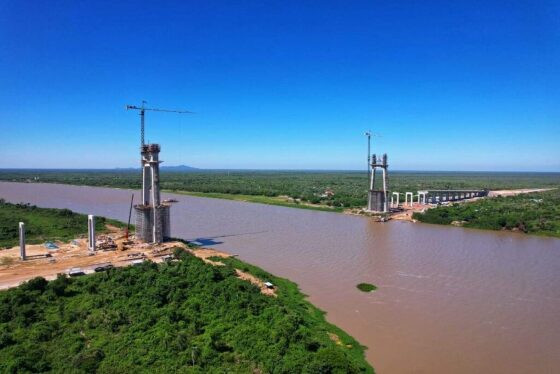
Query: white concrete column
x,y
154,226
146,184
22,241
406,202
385,204
396,203
91,232
384,180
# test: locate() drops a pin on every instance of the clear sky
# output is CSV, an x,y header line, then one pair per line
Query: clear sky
x,y
448,85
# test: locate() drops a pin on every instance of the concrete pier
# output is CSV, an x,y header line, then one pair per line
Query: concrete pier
x,y
91,232
377,201
22,241
406,198
439,196
395,202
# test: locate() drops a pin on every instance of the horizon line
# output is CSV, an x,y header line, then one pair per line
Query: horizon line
x,y
195,169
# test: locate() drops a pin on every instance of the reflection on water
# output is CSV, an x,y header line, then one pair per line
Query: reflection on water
x,y
450,300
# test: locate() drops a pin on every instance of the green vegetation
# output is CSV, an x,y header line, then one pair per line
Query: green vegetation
x,y
535,213
184,316
349,190
43,224
277,187
366,287
269,200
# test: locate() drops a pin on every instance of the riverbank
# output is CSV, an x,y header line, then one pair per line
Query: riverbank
x,y
44,224
169,316
319,189
284,201
424,274
510,214
533,211
215,313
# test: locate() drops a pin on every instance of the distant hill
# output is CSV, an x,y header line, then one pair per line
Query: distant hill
x,y
178,168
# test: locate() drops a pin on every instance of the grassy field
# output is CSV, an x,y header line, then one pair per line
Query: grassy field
x,y
185,317
535,213
43,224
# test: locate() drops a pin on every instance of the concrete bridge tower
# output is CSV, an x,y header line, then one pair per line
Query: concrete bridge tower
x,y
378,198
152,217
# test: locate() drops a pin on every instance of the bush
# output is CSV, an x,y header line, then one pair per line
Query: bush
x,y
366,287
159,318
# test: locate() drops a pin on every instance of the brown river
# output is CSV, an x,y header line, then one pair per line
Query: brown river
x,y
450,300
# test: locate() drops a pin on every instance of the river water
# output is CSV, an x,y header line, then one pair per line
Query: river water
x,y
450,300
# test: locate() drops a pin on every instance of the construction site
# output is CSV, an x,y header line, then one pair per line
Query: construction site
x,y
384,204
103,252
76,258
115,248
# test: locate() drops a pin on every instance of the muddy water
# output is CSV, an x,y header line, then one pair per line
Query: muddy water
x,y
450,300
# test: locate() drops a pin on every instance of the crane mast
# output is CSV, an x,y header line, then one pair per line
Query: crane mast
x,y
152,217
142,113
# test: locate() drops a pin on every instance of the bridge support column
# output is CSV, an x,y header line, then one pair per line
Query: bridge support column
x,y
406,202
395,202
91,232
22,241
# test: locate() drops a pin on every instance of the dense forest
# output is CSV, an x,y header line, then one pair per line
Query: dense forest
x,y
349,189
43,224
184,316
535,213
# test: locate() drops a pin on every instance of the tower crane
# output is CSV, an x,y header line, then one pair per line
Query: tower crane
x,y
143,109
152,218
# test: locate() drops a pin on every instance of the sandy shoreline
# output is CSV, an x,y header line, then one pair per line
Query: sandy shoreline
x,y
42,262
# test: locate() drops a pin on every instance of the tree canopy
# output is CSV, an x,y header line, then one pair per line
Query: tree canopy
x,y
185,316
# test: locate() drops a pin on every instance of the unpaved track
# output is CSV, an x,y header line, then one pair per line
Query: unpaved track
x,y
517,192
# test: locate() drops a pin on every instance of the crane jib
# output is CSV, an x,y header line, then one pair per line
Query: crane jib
x,y
142,110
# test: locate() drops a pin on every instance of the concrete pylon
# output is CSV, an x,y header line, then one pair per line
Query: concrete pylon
x,y
91,232
152,216
22,241
395,202
406,202
378,200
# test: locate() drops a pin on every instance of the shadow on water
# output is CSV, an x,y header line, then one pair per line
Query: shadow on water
x,y
205,242
209,241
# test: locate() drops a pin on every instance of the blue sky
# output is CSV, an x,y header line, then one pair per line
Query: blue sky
x,y
448,85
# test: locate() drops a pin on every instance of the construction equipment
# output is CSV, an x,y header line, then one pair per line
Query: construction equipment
x,y
129,214
369,135
143,109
